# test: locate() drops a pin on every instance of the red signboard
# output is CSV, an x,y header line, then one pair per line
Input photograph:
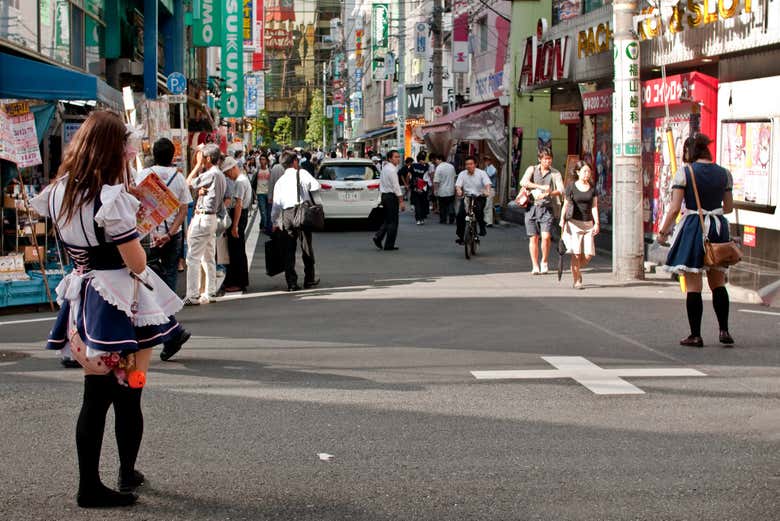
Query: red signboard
x,y
597,102
570,117
680,88
258,57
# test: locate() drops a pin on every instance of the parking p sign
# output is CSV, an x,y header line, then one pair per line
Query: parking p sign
x,y
177,83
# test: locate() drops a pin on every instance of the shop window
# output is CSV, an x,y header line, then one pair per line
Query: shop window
x,y
19,22
95,7
592,5
55,29
77,37
483,34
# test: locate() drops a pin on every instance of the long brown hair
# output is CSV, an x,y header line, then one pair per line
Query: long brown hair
x,y
95,157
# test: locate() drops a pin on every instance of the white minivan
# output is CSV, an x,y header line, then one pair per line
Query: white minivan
x,y
350,188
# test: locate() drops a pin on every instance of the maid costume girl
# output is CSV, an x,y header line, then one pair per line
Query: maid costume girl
x,y
113,310
687,250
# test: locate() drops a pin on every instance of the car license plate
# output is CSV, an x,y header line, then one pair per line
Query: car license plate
x,y
349,196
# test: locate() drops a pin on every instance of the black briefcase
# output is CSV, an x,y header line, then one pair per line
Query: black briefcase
x,y
274,256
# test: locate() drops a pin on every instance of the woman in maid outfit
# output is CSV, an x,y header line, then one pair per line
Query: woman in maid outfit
x,y
112,308
686,255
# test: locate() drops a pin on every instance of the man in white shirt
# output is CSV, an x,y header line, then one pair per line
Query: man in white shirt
x,y
237,275
392,200
166,239
444,187
287,193
475,183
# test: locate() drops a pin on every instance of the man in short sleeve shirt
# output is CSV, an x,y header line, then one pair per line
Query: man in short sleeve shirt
x,y
546,186
476,184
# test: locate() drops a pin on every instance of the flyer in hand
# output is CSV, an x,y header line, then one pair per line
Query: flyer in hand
x,y
157,203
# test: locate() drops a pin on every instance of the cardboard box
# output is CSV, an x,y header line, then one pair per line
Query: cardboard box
x,y
8,201
33,255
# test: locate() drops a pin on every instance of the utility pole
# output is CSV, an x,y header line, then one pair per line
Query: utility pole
x,y
324,105
401,97
627,231
437,48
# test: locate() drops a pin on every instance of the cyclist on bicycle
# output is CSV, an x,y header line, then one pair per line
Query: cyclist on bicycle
x,y
475,183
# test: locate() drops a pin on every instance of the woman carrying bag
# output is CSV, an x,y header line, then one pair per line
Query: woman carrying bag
x,y
705,185
113,309
580,220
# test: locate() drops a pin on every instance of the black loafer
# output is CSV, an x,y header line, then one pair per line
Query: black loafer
x,y
127,484
391,248
174,346
106,498
311,284
459,241
377,243
692,341
726,339
294,288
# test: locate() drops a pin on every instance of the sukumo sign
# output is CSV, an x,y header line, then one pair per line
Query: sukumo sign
x,y
207,23
232,100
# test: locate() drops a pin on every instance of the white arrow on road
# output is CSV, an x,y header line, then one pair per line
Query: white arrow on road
x,y
585,372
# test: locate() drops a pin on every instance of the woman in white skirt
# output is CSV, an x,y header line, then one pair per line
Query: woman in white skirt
x,y
580,220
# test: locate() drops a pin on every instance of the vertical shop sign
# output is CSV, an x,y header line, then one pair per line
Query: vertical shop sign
x,y
749,236
627,105
460,37
207,23
258,57
260,90
249,25
232,63
251,96
379,41
421,39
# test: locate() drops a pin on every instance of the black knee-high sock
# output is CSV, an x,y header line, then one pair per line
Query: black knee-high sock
x,y
695,309
89,429
720,301
129,427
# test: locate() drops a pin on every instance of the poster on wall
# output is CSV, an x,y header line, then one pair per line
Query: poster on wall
x,y
18,138
746,152
603,165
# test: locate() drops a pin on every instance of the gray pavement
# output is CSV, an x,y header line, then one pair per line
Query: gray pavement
x,y
374,368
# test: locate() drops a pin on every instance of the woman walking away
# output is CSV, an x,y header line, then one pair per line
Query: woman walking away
x,y
686,255
112,308
581,205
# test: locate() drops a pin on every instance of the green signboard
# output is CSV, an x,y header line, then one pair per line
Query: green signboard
x,y
232,101
208,23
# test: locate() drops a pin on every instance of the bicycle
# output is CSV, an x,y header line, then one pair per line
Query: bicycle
x,y
470,236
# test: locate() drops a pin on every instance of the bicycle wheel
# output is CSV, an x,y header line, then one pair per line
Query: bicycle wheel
x,y
468,240
474,240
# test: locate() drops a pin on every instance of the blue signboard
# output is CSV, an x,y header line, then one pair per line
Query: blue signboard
x,y
177,83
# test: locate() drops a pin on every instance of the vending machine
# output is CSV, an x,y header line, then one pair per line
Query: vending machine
x,y
692,101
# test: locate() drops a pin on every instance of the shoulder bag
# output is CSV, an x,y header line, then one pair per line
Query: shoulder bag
x,y
305,215
524,195
715,254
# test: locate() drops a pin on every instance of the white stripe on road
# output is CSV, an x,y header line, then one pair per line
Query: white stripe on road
x,y
757,312
27,321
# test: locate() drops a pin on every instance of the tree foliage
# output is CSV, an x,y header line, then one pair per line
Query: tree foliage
x,y
316,120
283,131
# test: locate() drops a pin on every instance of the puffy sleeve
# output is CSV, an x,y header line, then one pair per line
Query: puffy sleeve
x,y
117,214
680,180
40,202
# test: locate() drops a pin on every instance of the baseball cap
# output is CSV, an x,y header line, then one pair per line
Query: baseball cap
x,y
227,164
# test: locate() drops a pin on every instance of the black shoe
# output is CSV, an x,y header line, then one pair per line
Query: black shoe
x,y
311,284
482,233
459,241
174,346
725,339
130,483
104,497
69,363
294,287
391,248
377,243
692,341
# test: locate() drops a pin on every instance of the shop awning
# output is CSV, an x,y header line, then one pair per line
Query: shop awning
x,y
29,79
373,134
445,123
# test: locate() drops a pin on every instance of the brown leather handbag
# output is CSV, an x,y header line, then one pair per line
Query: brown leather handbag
x,y
716,254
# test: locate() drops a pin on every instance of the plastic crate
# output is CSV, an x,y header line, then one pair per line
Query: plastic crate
x,y
3,294
54,280
25,292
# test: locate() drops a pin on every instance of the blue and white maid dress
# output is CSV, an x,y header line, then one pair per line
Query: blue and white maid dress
x,y
112,311
687,251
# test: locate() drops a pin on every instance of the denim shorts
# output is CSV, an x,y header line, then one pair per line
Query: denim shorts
x,y
538,219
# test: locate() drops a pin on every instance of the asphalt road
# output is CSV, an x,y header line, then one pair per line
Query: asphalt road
x,y
374,368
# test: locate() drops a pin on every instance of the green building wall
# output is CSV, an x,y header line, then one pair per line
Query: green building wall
x,y
536,114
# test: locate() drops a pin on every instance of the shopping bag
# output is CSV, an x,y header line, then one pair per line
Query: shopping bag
x,y
223,254
274,256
